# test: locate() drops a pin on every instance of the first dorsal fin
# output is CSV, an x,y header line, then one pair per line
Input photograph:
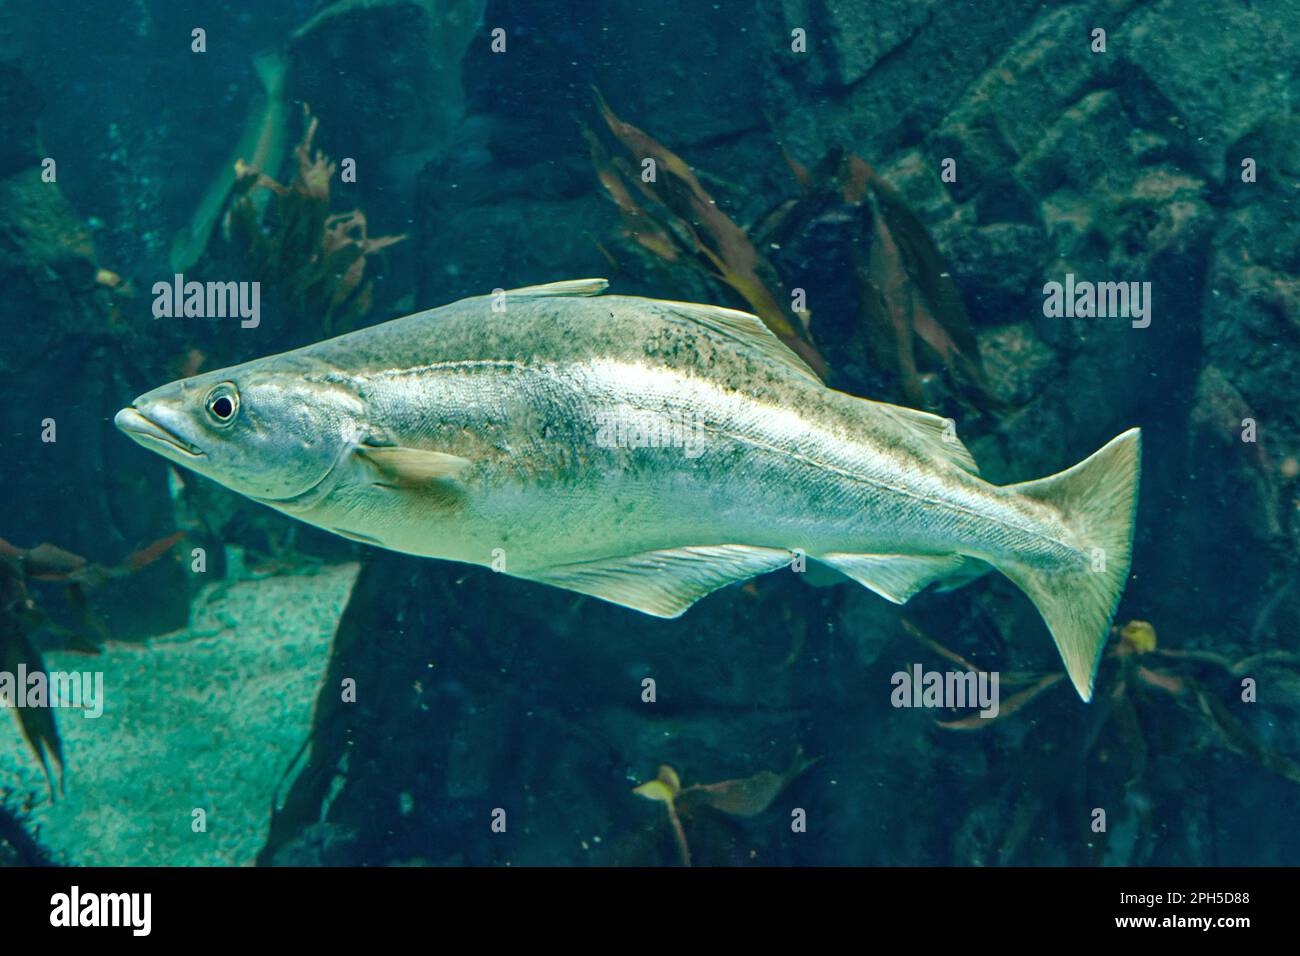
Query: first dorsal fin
x,y
744,328
567,287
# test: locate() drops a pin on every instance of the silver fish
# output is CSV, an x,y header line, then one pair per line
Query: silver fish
x,y
643,452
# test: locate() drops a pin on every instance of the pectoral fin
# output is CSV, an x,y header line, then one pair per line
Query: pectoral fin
x,y
663,583
411,467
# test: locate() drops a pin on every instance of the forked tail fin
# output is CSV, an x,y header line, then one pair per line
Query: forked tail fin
x,y
1097,499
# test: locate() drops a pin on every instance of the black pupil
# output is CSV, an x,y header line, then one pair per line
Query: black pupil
x,y
223,407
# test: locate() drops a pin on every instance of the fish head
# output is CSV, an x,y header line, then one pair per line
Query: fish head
x,y
271,433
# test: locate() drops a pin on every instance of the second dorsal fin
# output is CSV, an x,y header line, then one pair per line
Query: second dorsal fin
x,y
745,328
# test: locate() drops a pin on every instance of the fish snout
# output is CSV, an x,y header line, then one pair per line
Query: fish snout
x,y
158,425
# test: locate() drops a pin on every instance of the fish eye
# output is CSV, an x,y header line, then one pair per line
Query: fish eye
x,y
222,403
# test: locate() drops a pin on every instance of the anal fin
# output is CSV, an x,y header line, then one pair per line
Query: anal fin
x,y
663,583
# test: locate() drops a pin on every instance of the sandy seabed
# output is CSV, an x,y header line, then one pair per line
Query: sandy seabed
x,y
207,718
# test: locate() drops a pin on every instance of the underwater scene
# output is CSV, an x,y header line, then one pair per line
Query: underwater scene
x,y
736,433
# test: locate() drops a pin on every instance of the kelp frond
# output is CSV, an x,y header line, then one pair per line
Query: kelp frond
x,y
21,616
312,259
1141,667
688,226
906,294
740,797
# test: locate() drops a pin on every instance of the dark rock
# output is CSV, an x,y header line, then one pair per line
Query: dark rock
x,y
894,104
1017,363
376,106
20,105
1220,87
84,491
997,267
846,39
1004,114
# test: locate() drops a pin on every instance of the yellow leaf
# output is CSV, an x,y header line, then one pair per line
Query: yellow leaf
x,y
668,776
656,790
1139,635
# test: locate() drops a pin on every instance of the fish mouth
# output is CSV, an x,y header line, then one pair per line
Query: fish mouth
x,y
146,431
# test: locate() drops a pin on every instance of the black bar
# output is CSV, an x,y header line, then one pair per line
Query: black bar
x,y
211,906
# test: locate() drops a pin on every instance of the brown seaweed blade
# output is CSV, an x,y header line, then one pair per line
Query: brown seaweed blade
x,y
150,552
711,238
36,723
820,188
47,562
16,652
939,315
19,617
1011,705
886,300
315,260
639,225
909,290
1228,730
905,290
745,796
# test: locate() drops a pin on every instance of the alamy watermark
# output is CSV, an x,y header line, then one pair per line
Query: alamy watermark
x,y
129,910
950,690
642,428
77,690
208,300
1104,300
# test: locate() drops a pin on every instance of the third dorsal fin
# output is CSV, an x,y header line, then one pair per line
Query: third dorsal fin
x,y
938,433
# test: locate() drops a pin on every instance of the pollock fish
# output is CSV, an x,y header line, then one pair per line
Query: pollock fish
x,y
643,452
